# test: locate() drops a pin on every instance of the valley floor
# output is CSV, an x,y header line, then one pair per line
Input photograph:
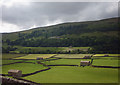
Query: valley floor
x,y
63,68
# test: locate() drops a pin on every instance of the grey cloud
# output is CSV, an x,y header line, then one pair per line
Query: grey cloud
x,y
39,13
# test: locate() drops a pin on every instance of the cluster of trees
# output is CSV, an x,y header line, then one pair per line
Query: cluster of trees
x,y
53,52
103,44
7,49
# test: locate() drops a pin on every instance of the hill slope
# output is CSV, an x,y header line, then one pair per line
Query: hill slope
x,y
102,33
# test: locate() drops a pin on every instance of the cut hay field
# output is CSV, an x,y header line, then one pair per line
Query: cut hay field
x,y
115,55
34,56
72,55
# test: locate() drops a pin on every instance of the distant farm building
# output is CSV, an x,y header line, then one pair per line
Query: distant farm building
x,y
70,46
39,58
15,73
84,63
38,62
55,37
106,55
87,57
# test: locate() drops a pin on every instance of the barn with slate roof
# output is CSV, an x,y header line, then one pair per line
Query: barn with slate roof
x,y
15,73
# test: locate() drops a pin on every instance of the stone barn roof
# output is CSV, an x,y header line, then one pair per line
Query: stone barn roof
x,y
84,63
15,71
39,58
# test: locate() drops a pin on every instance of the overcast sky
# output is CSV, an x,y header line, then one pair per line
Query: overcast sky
x,y
17,16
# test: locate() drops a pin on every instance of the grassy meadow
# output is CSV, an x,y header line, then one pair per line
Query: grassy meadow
x,y
63,74
25,67
10,56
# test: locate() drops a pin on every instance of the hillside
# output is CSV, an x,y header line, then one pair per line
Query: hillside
x,y
101,33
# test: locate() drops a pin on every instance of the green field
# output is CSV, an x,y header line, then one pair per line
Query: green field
x,y
65,62
10,61
101,62
106,61
64,74
68,74
24,67
10,56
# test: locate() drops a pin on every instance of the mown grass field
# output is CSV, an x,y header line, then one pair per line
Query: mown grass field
x,y
34,56
101,62
65,61
115,55
72,55
24,67
106,61
69,74
64,74
10,56
10,61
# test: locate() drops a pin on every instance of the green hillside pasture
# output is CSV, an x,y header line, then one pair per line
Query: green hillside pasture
x,y
97,34
69,74
34,56
66,61
24,67
72,55
115,55
10,36
10,56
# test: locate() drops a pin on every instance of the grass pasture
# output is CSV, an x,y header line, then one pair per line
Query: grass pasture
x,y
101,62
69,74
72,55
64,74
65,62
25,67
10,61
34,56
106,61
